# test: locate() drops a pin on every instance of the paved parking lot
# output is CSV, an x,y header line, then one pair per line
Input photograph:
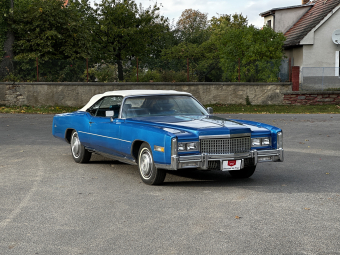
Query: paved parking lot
x,y
51,205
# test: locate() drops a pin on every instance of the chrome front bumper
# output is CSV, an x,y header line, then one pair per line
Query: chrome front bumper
x,y
201,161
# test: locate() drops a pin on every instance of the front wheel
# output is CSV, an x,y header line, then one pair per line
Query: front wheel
x,y
147,170
243,173
79,153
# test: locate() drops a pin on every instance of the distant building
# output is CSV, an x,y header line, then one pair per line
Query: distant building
x,y
309,28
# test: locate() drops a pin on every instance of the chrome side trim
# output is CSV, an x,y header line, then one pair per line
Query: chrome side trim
x,y
113,138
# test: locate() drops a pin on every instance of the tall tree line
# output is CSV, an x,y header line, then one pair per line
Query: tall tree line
x,y
116,32
6,37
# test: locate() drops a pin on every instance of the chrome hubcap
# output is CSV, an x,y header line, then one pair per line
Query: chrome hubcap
x,y
75,145
145,164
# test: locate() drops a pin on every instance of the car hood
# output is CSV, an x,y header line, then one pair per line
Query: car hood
x,y
200,125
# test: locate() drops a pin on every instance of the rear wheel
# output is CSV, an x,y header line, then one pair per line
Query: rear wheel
x,y
147,170
243,173
79,153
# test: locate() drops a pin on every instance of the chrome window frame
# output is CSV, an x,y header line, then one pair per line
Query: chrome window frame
x,y
145,95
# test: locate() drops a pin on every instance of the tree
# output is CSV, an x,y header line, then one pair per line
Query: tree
x,y
260,52
6,38
193,31
123,31
48,30
192,26
203,58
197,44
228,21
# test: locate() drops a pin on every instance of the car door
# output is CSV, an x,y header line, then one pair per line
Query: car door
x,y
105,131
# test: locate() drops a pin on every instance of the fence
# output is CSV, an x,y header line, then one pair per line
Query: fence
x,y
141,70
285,70
320,78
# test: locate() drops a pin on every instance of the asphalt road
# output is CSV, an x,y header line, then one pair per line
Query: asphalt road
x,y
51,205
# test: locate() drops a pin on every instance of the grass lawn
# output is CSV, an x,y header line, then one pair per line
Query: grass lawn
x,y
38,110
218,108
267,109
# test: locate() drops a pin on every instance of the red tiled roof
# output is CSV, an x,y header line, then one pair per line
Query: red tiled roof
x,y
308,21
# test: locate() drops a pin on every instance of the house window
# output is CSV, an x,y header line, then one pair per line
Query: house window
x,y
269,23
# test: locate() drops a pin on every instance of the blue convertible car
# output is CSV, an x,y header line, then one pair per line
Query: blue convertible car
x,y
161,130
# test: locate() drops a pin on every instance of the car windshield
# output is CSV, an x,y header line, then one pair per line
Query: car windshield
x,y
161,106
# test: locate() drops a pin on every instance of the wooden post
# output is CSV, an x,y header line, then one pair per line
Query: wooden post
x,y
239,71
37,63
188,70
87,69
290,69
137,71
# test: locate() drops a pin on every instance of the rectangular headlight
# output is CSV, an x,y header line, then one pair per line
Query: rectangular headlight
x,y
265,141
256,142
190,146
181,147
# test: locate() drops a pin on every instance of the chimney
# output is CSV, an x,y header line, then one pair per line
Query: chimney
x,y
305,1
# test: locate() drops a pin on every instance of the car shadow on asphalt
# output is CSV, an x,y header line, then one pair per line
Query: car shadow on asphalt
x,y
271,178
199,178
262,181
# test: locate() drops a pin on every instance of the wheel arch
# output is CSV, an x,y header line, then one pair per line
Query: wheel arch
x,y
135,148
68,134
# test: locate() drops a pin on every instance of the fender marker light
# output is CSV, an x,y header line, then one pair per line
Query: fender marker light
x,y
158,148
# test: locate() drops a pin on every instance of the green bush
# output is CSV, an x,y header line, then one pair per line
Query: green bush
x,y
156,76
103,73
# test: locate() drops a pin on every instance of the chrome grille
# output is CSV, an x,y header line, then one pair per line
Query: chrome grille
x,y
225,146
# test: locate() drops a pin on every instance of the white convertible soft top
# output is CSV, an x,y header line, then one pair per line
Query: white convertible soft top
x,y
125,93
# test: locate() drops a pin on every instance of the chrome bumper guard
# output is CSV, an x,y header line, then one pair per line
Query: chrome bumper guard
x,y
201,161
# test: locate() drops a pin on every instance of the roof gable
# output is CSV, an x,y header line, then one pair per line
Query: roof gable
x,y
272,11
308,21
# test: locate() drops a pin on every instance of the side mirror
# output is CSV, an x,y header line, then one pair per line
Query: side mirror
x,y
210,110
110,114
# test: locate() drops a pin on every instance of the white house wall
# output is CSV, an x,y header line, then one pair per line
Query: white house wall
x,y
323,52
296,54
285,19
266,19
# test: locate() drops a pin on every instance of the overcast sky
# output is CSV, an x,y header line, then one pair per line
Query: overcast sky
x,y
250,8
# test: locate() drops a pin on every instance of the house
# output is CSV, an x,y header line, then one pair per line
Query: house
x,y
309,28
